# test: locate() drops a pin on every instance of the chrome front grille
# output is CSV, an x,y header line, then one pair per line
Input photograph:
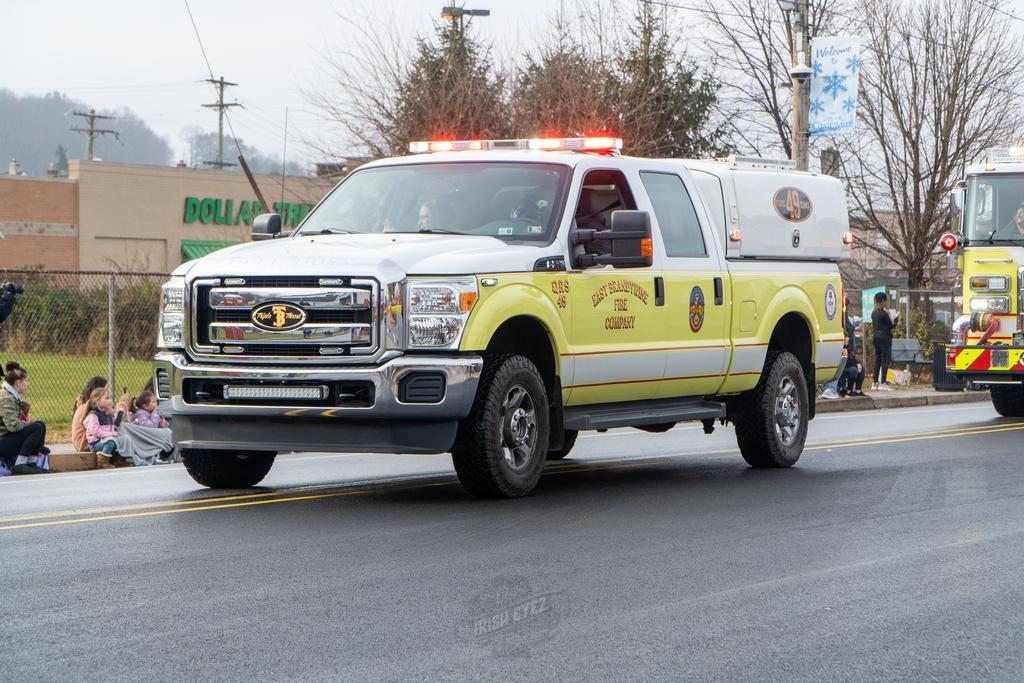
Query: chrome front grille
x,y
340,318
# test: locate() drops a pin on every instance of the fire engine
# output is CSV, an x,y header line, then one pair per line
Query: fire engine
x,y
987,216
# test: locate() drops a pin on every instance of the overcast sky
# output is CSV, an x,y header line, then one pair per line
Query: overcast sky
x,y
143,54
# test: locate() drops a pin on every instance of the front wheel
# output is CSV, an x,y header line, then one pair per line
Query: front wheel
x,y
772,426
227,469
1008,399
501,445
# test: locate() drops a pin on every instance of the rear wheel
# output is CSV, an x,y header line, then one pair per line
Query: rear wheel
x,y
501,446
1008,399
227,469
772,425
568,441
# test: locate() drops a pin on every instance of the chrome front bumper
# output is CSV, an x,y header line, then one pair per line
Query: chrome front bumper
x,y
386,426
461,376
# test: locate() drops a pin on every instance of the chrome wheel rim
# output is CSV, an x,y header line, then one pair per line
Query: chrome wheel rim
x,y
787,412
518,428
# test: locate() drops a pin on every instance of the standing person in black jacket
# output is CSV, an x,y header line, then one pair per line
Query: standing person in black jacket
x,y
882,337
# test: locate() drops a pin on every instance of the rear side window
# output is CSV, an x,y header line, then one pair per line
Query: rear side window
x,y
680,229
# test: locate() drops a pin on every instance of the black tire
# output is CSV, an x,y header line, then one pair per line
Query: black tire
x,y
501,445
568,441
227,469
1008,399
781,395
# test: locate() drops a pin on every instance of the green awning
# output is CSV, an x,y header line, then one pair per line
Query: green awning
x,y
191,249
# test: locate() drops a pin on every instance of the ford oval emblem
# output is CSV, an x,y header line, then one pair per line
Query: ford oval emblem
x,y
278,317
792,204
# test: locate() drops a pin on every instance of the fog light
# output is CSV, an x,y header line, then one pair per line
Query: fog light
x,y
285,393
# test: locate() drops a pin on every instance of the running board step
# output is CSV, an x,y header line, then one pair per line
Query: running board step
x,y
641,413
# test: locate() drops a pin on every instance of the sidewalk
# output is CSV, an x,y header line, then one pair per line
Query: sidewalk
x,y
900,398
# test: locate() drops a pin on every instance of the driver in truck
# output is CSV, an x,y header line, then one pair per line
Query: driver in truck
x,y
1014,229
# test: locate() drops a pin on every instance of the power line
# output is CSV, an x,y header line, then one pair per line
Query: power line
x,y
92,131
222,108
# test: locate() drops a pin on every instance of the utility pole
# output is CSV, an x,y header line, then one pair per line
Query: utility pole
x,y
92,131
800,77
220,105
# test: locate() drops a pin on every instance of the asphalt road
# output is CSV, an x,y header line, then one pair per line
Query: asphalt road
x,y
893,550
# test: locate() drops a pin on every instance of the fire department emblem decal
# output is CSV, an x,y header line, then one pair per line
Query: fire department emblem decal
x,y
696,309
278,317
831,302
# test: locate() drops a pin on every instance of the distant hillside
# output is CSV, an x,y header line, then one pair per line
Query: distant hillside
x,y
32,126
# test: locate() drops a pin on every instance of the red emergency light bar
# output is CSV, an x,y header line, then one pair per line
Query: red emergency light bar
x,y
606,145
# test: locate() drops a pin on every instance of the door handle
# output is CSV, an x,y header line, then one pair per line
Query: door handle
x,y
659,291
719,293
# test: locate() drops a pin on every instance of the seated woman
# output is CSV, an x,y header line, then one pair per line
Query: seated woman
x,y
21,442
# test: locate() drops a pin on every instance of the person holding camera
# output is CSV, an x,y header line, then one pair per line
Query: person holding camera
x,y
7,294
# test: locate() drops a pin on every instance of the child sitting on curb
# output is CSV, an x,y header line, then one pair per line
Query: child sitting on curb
x,y
100,427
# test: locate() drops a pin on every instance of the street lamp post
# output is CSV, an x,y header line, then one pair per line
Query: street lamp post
x,y
453,13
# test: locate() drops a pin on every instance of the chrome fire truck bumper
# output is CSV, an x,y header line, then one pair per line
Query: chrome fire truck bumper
x,y
409,404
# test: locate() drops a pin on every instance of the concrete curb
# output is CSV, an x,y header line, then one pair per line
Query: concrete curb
x,y
887,400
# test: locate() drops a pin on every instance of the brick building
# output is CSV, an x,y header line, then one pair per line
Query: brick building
x,y
126,217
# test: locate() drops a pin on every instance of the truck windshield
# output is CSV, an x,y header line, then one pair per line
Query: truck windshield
x,y
994,208
511,201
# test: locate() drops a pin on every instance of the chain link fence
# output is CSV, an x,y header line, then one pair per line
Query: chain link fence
x,y
69,326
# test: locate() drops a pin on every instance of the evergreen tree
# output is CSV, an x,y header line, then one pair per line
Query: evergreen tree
x,y
450,90
666,102
60,161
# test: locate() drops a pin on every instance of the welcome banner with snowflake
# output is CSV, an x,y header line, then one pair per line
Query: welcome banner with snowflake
x,y
835,63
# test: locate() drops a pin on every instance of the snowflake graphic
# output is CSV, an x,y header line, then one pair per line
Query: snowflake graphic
x,y
849,105
853,64
817,106
834,85
817,68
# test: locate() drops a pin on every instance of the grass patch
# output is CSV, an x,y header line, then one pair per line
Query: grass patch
x,y
55,380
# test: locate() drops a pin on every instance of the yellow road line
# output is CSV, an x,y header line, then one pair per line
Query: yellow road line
x,y
139,506
266,498
152,513
922,437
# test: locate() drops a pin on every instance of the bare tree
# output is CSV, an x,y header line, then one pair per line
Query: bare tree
x,y
942,81
750,42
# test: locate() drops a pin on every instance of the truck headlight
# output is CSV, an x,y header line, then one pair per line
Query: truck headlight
x,y
990,304
437,310
171,329
990,283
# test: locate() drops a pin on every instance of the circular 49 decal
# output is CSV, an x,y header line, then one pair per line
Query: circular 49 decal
x,y
831,302
696,309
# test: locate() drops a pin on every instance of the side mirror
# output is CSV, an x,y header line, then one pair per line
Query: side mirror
x,y
266,226
956,211
627,244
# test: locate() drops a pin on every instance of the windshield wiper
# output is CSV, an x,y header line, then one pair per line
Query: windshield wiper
x,y
446,231
330,231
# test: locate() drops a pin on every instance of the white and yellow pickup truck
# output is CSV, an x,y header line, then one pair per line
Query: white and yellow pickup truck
x,y
494,298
